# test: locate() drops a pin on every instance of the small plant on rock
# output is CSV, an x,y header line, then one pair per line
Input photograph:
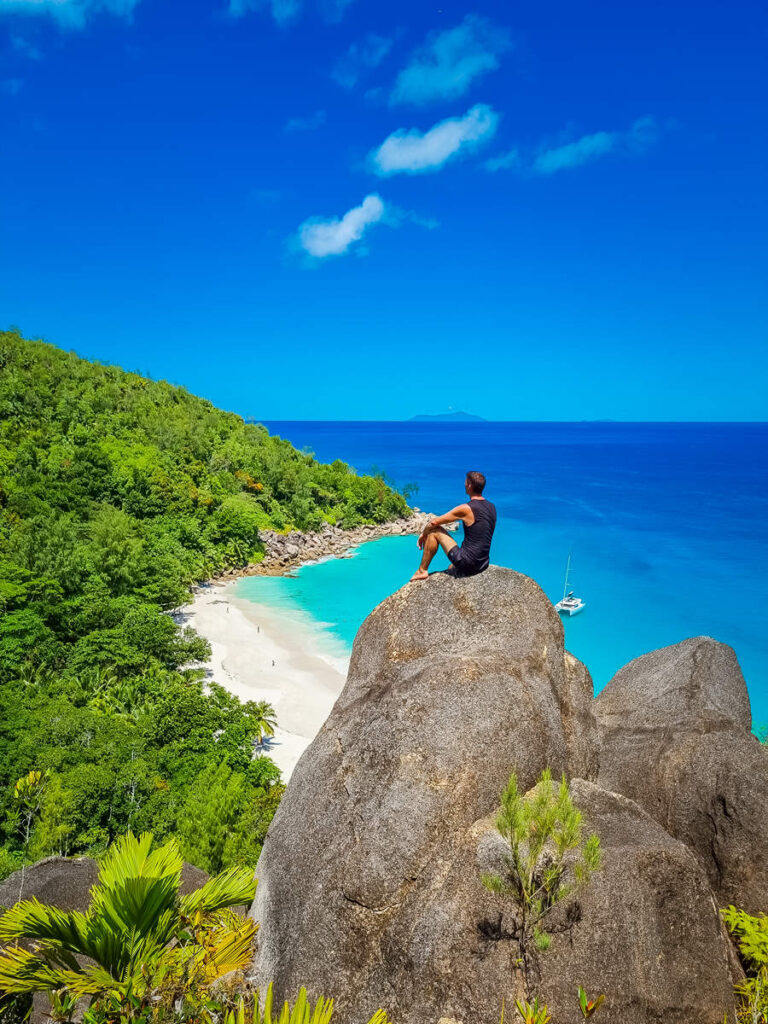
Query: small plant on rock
x,y
536,1013
532,1013
547,861
302,1012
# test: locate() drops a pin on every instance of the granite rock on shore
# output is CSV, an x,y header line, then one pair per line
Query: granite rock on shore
x,y
285,551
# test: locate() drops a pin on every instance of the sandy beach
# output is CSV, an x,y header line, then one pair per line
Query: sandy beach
x,y
258,654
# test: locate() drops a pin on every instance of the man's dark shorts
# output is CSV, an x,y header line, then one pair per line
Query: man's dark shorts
x,y
465,566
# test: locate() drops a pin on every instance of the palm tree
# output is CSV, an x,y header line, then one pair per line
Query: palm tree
x,y
146,944
264,719
27,803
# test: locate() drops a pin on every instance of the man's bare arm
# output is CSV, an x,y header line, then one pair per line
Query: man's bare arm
x,y
458,514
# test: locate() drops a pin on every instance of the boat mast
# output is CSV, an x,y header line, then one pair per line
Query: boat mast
x,y
567,570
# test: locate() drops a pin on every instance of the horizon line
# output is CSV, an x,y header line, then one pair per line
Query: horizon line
x,y
469,423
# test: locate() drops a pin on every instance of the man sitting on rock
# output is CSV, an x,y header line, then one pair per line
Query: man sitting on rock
x,y
479,519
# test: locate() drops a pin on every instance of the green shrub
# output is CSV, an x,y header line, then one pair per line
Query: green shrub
x,y
751,934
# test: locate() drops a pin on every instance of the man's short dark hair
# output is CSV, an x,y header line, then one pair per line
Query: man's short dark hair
x,y
476,481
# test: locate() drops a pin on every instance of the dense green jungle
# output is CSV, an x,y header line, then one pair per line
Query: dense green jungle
x,y
117,495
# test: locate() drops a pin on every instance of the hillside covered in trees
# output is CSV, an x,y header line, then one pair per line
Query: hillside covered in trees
x,y
117,493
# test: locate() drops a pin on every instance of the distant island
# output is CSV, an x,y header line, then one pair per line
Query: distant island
x,y
447,417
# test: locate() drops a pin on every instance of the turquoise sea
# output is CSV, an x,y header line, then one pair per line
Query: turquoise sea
x,y
667,525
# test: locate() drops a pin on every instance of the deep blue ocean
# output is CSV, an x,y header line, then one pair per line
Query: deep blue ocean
x,y
667,525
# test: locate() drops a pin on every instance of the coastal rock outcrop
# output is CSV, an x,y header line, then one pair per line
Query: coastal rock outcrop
x,y
675,737
284,551
370,877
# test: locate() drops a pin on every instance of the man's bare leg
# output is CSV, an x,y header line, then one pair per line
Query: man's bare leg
x,y
435,539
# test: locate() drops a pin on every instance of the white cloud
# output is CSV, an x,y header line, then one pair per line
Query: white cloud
x,y
334,10
637,139
25,48
643,134
306,124
582,151
447,64
362,56
69,13
504,161
397,216
282,10
410,152
322,238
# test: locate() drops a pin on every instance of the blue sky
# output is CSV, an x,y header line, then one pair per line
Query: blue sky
x,y
338,209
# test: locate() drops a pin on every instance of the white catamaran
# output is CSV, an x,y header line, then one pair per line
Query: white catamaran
x,y
569,605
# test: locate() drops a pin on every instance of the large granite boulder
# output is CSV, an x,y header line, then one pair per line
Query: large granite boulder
x,y
368,883
675,738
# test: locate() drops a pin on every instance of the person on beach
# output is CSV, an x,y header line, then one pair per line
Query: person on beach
x,y
479,519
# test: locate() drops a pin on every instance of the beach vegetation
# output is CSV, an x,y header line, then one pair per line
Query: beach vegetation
x,y
153,751
265,720
547,859
117,493
751,936
225,815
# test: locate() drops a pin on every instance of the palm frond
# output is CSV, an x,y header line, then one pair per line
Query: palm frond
x,y
22,971
231,951
93,980
136,885
231,888
32,919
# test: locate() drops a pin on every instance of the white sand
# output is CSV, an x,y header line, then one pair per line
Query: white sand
x,y
260,654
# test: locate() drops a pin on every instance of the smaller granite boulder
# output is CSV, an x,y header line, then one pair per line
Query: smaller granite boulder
x,y
695,684
675,738
647,932
63,882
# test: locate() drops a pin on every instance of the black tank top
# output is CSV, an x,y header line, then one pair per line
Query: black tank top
x,y
476,545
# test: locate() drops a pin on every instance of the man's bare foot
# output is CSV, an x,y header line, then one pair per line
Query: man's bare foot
x,y
420,574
